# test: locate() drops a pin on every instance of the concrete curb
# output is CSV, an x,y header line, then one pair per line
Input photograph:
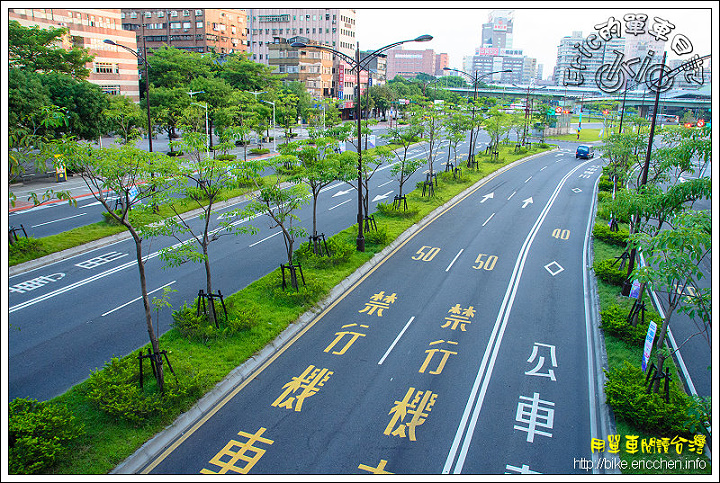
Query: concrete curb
x,y
161,441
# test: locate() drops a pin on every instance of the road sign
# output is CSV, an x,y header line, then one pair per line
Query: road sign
x,y
558,110
700,123
648,344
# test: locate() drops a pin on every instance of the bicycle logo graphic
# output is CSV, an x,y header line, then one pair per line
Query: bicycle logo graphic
x,y
611,77
658,77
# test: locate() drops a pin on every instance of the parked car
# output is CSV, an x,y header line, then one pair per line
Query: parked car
x,y
584,152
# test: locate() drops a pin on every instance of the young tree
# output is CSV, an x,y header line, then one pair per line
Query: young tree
x,y
125,118
204,180
456,125
278,202
673,258
404,167
138,177
496,124
318,166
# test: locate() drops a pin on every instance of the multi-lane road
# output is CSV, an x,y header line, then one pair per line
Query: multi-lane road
x,y
470,348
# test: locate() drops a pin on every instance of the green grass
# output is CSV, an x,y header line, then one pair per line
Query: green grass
x,y
619,352
96,231
108,442
586,136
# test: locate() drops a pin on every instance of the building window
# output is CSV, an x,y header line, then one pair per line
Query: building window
x,y
314,17
175,25
187,25
112,90
198,25
148,14
198,13
327,16
105,68
173,13
186,13
133,14
122,15
160,14
307,18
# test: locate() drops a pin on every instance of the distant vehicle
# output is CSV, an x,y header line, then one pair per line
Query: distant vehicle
x,y
584,152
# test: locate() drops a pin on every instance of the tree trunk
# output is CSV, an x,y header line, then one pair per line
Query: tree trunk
x,y
660,343
148,314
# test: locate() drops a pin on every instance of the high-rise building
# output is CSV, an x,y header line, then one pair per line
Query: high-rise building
x,y
498,31
198,30
114,69
573,68
496,53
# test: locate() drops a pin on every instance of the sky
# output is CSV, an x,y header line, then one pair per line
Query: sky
x,y
457,26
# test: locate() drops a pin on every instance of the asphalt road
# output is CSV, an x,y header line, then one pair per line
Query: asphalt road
x,y
70,317
466,350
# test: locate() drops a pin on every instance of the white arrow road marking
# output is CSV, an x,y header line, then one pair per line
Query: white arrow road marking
x,y
527,201
340,193
381,197
489,195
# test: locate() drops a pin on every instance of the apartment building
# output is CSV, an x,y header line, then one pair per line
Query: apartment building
x,y
312,67
410,63
114,69
328,26
569,56
223,31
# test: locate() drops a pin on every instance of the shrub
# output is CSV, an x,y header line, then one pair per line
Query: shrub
x,y
609,271
387,209
605,184
174,153
625,393
24,246
601,231
115,390
614,321
226,157
193,326
259,151
339,252
39,435
377,237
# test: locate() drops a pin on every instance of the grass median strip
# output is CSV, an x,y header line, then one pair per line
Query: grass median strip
x,y
257,314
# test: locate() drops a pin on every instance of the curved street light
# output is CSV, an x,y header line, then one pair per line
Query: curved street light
x,y
475,78
147,85
357,64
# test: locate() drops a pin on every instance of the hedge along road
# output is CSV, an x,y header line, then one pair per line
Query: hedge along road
x,y
70,317
470,348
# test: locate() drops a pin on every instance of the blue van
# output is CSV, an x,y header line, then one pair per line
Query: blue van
x,y
584,152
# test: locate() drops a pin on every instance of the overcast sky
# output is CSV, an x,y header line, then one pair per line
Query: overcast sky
x,y
457,26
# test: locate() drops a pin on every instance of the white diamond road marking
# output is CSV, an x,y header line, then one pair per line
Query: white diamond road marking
x,y
556,270
576,190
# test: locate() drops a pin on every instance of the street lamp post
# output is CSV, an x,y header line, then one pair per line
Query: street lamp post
x,y
357,65
143,58
476,79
